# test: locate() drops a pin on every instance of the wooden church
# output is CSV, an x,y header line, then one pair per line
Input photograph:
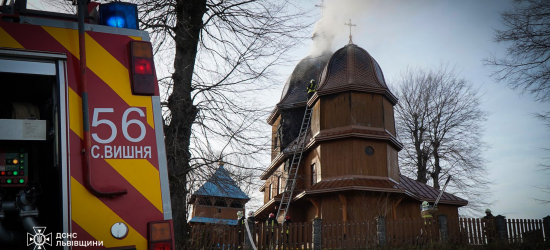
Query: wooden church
x,y
349,169
218,200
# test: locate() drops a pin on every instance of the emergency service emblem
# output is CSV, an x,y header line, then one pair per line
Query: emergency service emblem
x,y
39,239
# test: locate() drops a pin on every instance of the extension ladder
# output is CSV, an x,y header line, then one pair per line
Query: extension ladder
x,y
295,163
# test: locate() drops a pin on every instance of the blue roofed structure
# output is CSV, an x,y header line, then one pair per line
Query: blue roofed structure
x,y
221,184
218,200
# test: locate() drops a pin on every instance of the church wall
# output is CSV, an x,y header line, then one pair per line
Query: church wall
x,y
335,111
275,140
367,110
273,180
348,157
316,118
305,171
393,167
215,212
389,120
355,108
291,120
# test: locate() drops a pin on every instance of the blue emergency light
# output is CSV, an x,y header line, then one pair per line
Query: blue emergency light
x,y
119,15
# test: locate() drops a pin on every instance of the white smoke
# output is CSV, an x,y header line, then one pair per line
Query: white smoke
x,y
331,24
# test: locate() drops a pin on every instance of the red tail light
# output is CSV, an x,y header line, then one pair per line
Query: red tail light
x,y
162,246
160,235
143,68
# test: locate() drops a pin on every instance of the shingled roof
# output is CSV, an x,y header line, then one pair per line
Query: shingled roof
x,y
427,193
220,184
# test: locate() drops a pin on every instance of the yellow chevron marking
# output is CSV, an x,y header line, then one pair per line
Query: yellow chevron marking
x,y
142,175
136,38
97,218
105,66
7,41
75,113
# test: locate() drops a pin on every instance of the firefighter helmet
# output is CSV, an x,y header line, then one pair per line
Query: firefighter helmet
x,y
271,215
240,214
425,204
487,210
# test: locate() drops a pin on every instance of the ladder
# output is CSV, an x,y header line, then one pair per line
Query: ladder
x,y
294,165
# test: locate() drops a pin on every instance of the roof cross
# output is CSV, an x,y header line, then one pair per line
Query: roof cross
x,y
350,25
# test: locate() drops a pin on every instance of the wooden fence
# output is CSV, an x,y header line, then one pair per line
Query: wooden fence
x,y
359,235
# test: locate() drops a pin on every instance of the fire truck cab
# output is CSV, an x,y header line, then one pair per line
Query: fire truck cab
x,y
82,155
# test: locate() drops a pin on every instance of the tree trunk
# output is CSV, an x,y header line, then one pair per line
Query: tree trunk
x,y
437,167
183,111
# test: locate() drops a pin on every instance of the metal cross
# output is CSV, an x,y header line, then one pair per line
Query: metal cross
x,y
350,25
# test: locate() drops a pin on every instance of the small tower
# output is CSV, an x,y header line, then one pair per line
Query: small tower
x,y
218,200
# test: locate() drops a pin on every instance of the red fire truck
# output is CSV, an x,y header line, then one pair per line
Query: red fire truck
x,y
82,155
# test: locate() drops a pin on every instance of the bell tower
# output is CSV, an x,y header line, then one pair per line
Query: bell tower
x,y
353,120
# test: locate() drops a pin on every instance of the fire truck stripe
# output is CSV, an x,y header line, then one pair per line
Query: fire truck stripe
x,y
89,212
104,65
75,113
7,41
146,180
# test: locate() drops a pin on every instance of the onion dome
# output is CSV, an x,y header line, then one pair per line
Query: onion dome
x,y
352,68
295,90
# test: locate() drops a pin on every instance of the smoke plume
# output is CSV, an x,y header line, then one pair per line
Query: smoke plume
x,y
331,25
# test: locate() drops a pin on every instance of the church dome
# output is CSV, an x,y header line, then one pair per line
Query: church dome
x,y
295,90
353,68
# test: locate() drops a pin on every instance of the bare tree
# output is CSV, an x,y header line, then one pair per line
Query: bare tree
x,y
440,121
526,66
222,53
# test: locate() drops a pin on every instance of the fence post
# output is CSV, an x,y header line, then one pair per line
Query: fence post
x,y
247,241
381,230
502,233
317,226
546,226
443,228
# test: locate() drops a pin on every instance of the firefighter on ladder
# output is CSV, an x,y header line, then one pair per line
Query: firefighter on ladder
x,y
311,88
271,223
240,224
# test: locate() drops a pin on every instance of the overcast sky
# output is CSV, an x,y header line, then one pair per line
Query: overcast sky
x,y
425,33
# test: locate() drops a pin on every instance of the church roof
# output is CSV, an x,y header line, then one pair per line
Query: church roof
x,y
220,184
198,219
427,193
353,68
295,90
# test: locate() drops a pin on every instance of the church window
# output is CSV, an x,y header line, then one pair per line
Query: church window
x,y
205,202
270,190
279,188
220,203
313,174
369,150
236,204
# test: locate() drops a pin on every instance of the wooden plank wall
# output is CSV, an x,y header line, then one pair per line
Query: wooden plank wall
x,y
347,157
275,150
355,108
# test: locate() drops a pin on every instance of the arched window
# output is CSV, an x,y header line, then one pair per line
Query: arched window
x,y
279,188
270,190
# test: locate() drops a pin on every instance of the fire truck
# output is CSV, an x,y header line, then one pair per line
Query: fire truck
x,y
82,154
